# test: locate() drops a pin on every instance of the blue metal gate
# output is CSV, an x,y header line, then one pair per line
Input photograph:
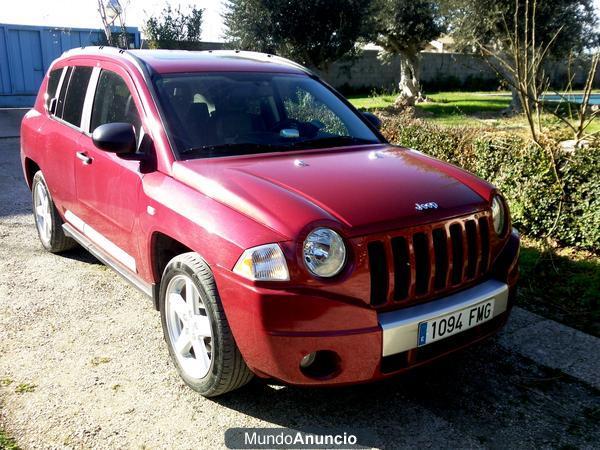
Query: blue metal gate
x,y
27,51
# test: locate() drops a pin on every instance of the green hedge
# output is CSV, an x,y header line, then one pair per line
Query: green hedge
x,y
523,172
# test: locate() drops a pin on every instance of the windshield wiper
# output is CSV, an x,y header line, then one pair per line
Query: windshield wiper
x,y
229,149
249,148
331,141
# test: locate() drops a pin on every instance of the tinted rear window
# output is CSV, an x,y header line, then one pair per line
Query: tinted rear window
x,y
53,80
76,95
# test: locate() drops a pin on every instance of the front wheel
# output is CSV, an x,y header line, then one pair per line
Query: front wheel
x,y
196,329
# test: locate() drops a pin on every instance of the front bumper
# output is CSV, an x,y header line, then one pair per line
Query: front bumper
x,y
274,328
401,327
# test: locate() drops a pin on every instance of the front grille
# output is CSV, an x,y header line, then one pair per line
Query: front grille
x,y
418,263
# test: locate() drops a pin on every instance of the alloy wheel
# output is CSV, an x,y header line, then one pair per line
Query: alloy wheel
x,y
43,212
188,326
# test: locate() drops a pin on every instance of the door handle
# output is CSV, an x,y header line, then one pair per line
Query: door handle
x,y
84,158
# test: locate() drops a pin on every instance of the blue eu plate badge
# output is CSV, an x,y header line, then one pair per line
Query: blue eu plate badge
x,y
422,333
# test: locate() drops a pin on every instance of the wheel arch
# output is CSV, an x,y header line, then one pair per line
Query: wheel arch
x,y
163,249
31,167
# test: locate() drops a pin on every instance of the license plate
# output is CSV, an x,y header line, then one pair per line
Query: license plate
x,y
455,322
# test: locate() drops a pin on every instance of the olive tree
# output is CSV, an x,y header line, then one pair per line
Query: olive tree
x,y
511,31
404,27
173,26
311,32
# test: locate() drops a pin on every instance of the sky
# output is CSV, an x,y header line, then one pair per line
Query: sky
x,y
84,13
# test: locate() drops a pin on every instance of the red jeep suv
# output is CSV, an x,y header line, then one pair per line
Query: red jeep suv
x,y
273,226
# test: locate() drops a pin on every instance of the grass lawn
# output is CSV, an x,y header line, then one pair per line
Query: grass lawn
x,y
462,109
447,108
563,285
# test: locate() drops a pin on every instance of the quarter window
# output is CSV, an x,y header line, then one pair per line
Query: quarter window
x,y
63,92
53,80
113,102
76,95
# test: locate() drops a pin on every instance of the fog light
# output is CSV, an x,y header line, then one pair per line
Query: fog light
x,y
321,364
308,360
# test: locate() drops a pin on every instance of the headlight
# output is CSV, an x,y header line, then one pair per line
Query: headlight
x,y
498,215
324,252
263,263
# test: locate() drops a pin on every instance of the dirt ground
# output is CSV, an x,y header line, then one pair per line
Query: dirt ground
x,y
83,365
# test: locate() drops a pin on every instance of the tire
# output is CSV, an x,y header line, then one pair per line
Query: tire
x,y
186,328
47,220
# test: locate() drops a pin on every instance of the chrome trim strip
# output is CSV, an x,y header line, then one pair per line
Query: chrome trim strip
x,y
102,242
400,327
136,281
86,114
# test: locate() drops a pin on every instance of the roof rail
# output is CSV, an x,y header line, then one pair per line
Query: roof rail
x,y
263,57
91,50
97,50
103,49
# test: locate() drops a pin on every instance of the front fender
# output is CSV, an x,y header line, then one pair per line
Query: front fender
x,y
213,230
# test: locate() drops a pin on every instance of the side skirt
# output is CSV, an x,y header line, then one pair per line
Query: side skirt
x,y
146,288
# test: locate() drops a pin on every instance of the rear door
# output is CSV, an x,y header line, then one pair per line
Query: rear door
x,y
66,94
108,185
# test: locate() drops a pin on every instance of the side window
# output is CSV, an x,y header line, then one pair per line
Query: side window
x,y
63,92
53,80
113,102
76,91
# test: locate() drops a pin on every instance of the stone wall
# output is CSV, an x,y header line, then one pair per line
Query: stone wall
x,y
368,72
438,71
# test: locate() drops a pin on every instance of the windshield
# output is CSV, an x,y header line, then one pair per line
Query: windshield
x,y
223,114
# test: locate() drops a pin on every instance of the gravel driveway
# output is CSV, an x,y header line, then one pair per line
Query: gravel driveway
x,y
83,364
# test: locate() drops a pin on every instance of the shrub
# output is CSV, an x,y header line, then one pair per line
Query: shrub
x,y
523,172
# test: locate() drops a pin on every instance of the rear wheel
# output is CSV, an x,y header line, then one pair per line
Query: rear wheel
x,y
196,329
47,220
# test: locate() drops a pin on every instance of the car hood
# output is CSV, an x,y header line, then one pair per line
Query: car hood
x,y
359,189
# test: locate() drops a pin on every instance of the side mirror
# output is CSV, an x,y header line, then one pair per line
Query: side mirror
x,y
117,137
375,121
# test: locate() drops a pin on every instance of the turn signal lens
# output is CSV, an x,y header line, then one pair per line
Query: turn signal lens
x,y
263,263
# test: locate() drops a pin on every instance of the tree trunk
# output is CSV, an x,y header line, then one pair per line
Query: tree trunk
x,y
515,102
503,64
409,86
